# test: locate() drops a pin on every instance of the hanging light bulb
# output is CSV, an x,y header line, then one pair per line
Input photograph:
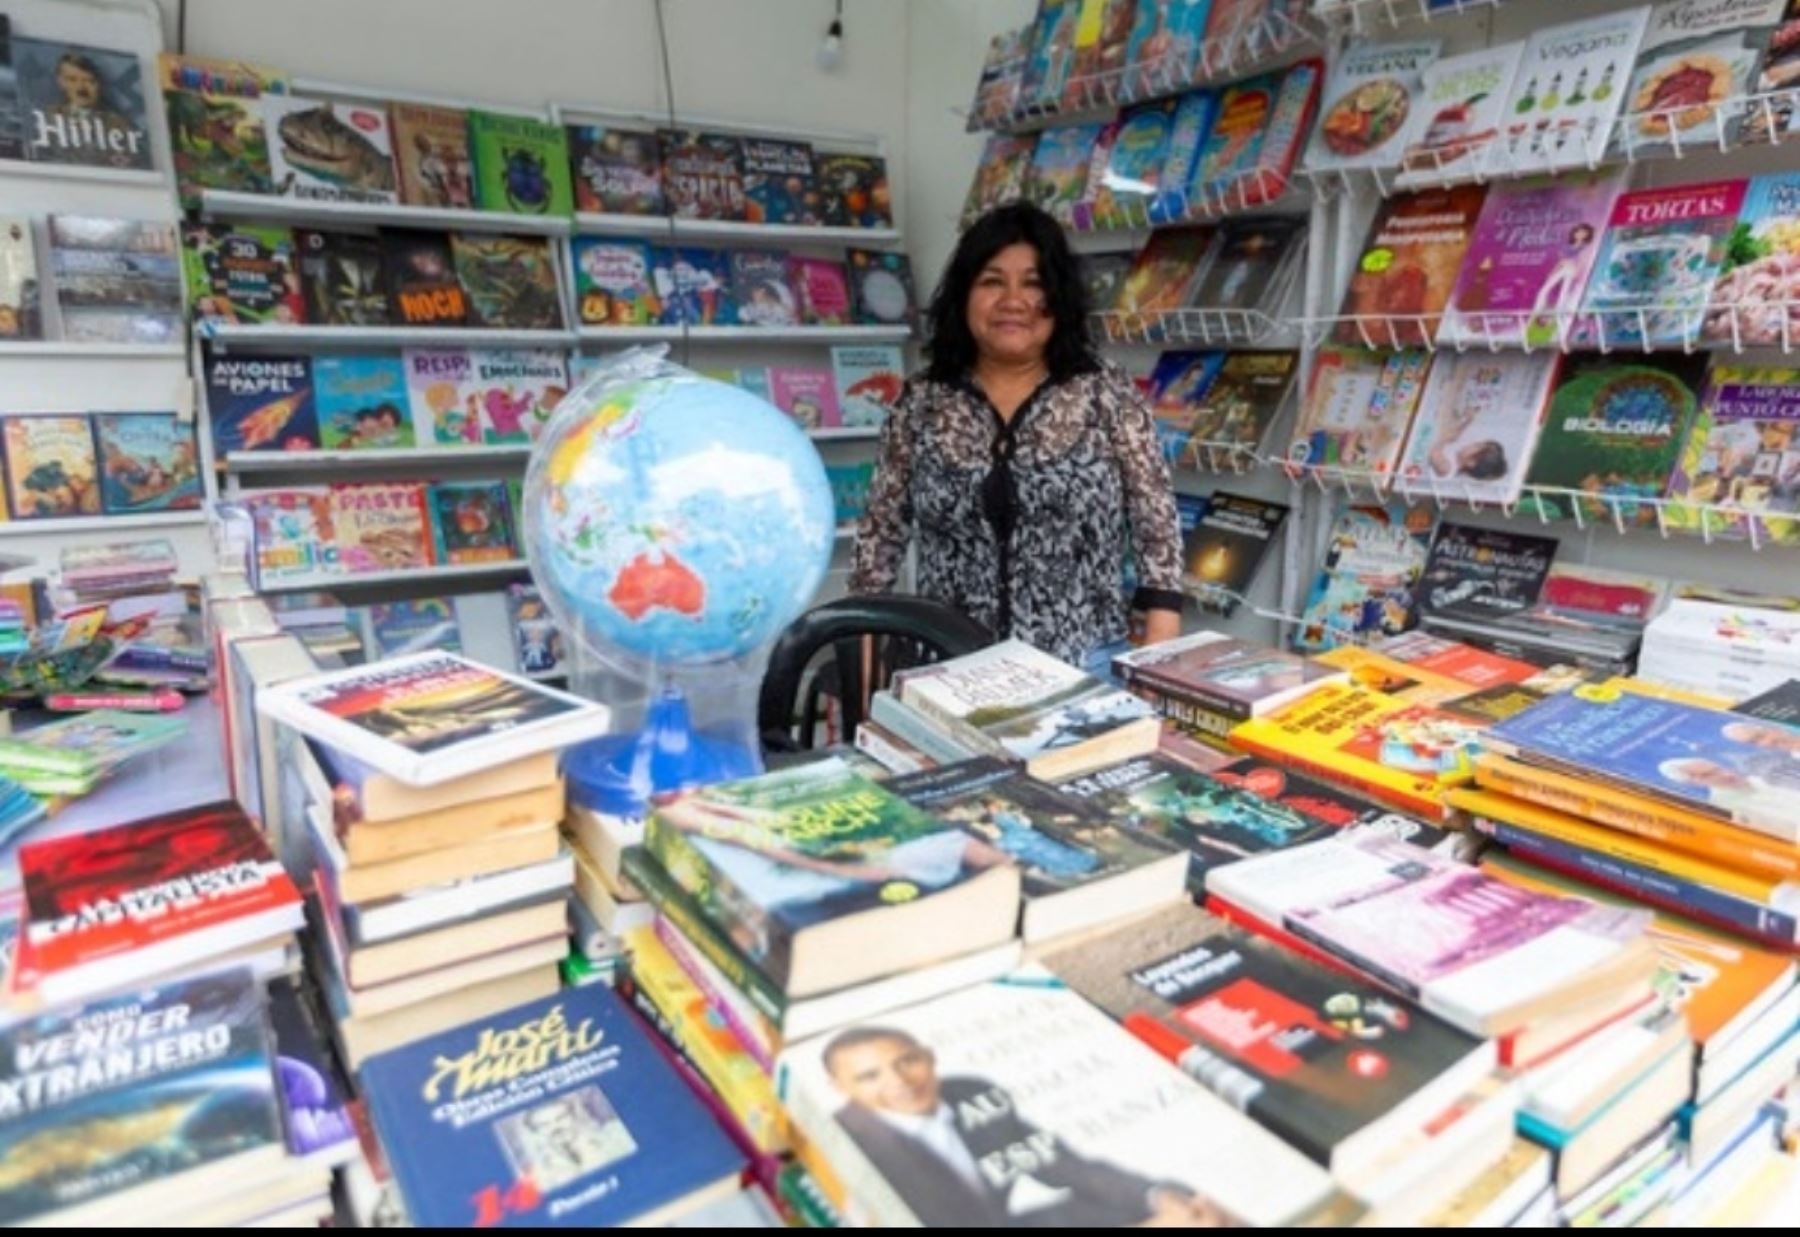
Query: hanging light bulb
x,y
831,48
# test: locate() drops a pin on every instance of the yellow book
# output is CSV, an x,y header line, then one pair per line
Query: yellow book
x,y
1392,677
1661,691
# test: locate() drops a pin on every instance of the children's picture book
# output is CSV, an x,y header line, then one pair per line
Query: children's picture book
x,y
1367,581
443,396
431,153
1102,39
1409,264
51,469
329,151
850,490
510,280
1050,55
472,523
1122,187
1290,120
779,183
760,288
81,105
420,625
517,390
1233,145
242,274
703,174
1614,433
1570,86
215,123
1163,51
868,381
1226,548
1477,425
694,286
1663,251
1194,114
1057,179
613,282
617,171
1177,384
380,526
294,536
824,291
1695,55
1252,265
340,274
1246,395
853,191
883,287
1756,299
1484,572
1166,270
21,300
116,280
420,277
521,165
1460,112
1358,409
260,403
1371,93
1000,176
807,395
540,646
362,402
1529,259
1002,73
149,461
1743,455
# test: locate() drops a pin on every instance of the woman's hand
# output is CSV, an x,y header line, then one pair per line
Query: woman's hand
x,y
1161,625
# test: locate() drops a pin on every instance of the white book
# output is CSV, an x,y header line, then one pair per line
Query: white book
x,y
1477,425
1460,114
1370,94
1571,83
329,151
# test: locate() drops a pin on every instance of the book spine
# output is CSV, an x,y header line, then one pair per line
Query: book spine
x,y
1184,711
740,1020
671,900
1366,967
1157,688
719,899
954,728
1415,804
886,752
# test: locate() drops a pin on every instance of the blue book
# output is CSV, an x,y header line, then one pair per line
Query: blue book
x,y
694,287
1193,124
315,1100
261,403
1177,385
560,1113
362,402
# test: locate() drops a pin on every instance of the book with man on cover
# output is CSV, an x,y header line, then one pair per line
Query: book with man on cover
x,y
81,105
1368,581
431,152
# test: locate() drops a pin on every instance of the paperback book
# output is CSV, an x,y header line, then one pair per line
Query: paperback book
x,y
1251,266
823,290
617,171
1167,36
1460,112
1740,457
1779,70
215,123
81,105
1001,175
1290,121
362,403
1166,270
516,390
1051,39
293,533
1104,275
1002,73
443,396
883,288
1753,301
472,522
868,382
760,288
1058,177
614,284
1211,673
539,639
1372,91
1177,385
1571,83
21,294
1367,584
260,403
1224,551
521,165
1121,189
242,274
1195,112
1359,409
1476,573
1234,145
1653,281
340,275
380,526
694,286
116,280
510,281
421,625
1478,424
1409,265
51,468
420,278
149,461
779,182
853,191
1240,406
703,174
431,154
1693,57
329,151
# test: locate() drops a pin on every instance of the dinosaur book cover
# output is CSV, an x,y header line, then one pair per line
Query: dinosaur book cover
x,y
516,390
261,403
521,165
215,123
50,468
511,281
341,152
149,461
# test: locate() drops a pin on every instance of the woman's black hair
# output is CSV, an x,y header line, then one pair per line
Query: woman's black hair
x,y
951,346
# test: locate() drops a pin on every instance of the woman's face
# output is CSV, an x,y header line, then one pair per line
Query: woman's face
x,y
1008,315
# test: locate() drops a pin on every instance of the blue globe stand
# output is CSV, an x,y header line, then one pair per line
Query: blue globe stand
x,y
618,774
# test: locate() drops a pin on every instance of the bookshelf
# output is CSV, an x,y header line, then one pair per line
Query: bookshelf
x,y
601,335
338,581
261,338
727,231
104,525
74,350
308,213
249,463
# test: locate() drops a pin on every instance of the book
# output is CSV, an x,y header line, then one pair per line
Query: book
x,y
1002,74
1457,114
1234,144
703,174
1077,867
1774,78
1195,112
441,394
616,171
113,908
1290,120
760,288
807,395
471,522
853,191
1104,275
1003,1056
538,638
331,151
1613,435
1478,422
869,380
779,182
517,390
1177,384
1252,265
1372,91
613,285
21,300
1231,678
340,275
823,289
1570,85
1330,804
694,286
242,274
1751,298
521,165
1617,598
1224,551
418,625
1164,50
850,490
1050,55
420,278
1057,179
1409,265
1474,668
1482,572
1001,175
1166,270
149,461
433,717
1367,582
1359,408
292,532
315,1099
1693,56
1244,398
830,924
51,467
1780,704
116,280
215,123
81,105
1124,185
510,280
1102,42
85,746
186,1069
380,526
362,402
883,288
1733,460
1662,252
431,154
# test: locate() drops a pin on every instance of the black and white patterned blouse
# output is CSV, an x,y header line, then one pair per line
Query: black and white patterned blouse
x,y
1023,525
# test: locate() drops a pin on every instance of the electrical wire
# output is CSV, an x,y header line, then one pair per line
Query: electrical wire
x,y
668,75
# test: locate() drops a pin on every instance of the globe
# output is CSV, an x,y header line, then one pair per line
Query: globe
x,y
673,520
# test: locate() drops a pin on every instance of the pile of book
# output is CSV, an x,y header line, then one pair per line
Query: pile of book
x,y
112,280
511,630
1731,649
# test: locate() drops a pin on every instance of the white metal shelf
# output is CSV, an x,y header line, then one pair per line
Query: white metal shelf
x,y
284,338
103,523
594,335
245,462
1210,328
57,349
846,433
1684,326
307,212
1369,16
340,580
1257,191
144,178
654,227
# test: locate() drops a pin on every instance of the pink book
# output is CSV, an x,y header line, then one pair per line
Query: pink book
x,y
824,291
807,395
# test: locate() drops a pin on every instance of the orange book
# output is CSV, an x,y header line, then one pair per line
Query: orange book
x,y
1476,668
1392,677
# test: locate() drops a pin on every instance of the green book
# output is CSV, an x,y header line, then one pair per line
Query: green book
x,y
521,165
80,747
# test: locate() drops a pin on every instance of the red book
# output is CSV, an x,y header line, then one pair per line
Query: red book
x,y
121,907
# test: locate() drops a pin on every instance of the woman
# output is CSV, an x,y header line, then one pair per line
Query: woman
x,y
1021,463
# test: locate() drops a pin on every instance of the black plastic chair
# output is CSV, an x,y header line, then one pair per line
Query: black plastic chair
x,y
869,638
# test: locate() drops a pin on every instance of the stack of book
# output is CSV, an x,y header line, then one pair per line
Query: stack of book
x,y
101,573
605,904
1734,651
69,758
439,882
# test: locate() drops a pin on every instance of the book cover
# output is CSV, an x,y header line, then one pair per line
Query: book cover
x,y
694,286
1102,37
51,468
1740,455
521,165
1194,115
1328,803
261,403
1163,51
442,395
215,123
517,389
1051,54
1373,89
1663,250
1482,572
149,461
1695,54
116,280
1358,409
242,274
1478,423
1122,188
420,277
1234,144
380,526
1000,176
1290,119
431,151
1530,257
868,380
823,288
21,301
472,522
617,171
807,395
1057,179
1002,74
1225,550
1166,270
1366,584
1408,267
779,182
1104,275
1459,113
850,490
421,625
1246,395
315,1098
1177,385
613,284
293,532
81,105
1251,265
1753,298
1205,672
340,275
88,743
760,288
135,1090
883,287
1614,432
362,402
511,281
329,151
1571,83
703,174
853,191
1780,68
1617,598
539,639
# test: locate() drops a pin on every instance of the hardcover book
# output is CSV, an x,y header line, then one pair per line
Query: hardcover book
x,y
1653,281
1571,83
421,625
1694,55
521,165
21,298
431,151
1165,44
1166,270
1478,423
1484,572
442,395
517,390
1252,265
617,171
81,105
1058,177
807,395
1177,385
883,287
1223,552
329,151
1102,42
694,286
1246,395
1359,408
853,191
1372,91
1002,73
1290,120
1459,113
779,182
511,281
1409,265
51,468
1194,115
116,280
613,283
362,402
1230,678
869,380
1367,583
760,288
703,174
215,123
420,277
1738,456
293,532
1753,298
472,522
149,461
380,526
1051,39
823,289
1122,187
242,274
1001,175
341,277
261,403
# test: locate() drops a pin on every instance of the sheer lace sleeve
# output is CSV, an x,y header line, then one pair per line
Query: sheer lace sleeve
x,y
1149,496
886,527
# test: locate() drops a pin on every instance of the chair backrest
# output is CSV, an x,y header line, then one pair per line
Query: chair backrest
x,y
870,638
